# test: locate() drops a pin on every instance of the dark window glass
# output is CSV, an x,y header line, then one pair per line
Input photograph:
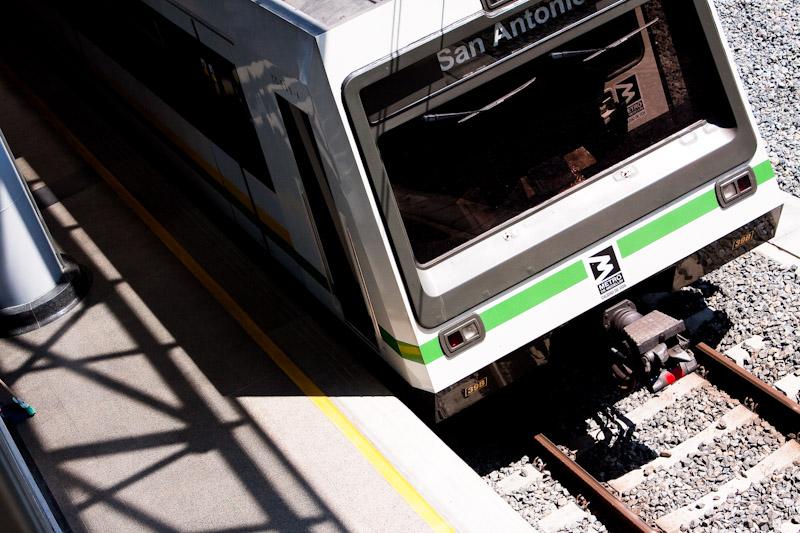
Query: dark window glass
x,y
456,176
472,54
195,81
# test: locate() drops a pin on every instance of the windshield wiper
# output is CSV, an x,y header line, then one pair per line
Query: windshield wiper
x,y
435,117
595,52
468,115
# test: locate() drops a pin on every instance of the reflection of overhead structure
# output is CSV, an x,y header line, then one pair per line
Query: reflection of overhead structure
x,y
454,195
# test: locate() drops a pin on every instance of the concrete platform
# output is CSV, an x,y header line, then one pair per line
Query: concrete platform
x,y
157,411
784,248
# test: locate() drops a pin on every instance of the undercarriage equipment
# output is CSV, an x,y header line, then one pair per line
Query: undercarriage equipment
x,y
647,347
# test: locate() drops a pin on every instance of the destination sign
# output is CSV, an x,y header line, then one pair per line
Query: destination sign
x,y
511,34
480,50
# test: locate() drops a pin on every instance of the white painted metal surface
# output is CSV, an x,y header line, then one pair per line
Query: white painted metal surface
x,y
304,52
29,265
342,53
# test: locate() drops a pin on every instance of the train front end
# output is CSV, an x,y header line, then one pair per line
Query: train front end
x,y
537,160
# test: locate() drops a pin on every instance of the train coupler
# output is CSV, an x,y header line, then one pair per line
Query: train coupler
x,y
648,348
668,377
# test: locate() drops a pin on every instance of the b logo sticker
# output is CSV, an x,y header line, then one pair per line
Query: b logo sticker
x,y
607,272
627,92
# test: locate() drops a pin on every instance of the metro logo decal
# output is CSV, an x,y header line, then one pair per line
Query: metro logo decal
x,y
604,264
627,92
576,273
607,272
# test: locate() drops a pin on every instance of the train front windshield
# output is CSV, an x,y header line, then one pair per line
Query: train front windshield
x,y
521,139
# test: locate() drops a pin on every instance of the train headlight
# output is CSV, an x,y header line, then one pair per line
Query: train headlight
x,y
735,187
457,338
470,331
728,192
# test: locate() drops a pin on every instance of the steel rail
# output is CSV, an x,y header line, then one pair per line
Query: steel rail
x,y
603,503
770,404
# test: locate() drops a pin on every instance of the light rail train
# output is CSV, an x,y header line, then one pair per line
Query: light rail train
x,y
455,179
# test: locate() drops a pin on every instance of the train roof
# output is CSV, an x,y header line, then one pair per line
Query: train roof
x,y
329,13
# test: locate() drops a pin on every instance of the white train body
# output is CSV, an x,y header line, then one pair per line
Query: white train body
x,y
361,87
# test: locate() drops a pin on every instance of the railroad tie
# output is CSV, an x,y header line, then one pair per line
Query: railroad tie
x,y
563,518
733,419
781,458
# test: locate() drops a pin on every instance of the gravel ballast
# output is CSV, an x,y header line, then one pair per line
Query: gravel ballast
x,y
703,471
763,36
540,497
666,429
761,298
767,505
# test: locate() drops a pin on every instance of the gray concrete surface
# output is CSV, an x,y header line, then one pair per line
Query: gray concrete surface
x,y
785,247
155,411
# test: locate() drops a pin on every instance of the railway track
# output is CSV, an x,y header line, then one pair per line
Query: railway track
x,y
760,297
747,444
786,379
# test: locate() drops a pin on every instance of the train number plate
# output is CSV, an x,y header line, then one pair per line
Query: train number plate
x,y
475,387
744,239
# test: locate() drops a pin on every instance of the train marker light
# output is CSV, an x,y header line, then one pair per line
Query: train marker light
x,y
743,183
457,338
733,188
470,331
729,192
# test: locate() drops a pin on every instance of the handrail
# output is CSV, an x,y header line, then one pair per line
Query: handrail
x,y
22,505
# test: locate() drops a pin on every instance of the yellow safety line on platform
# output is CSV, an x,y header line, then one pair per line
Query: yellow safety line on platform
x,y
303,382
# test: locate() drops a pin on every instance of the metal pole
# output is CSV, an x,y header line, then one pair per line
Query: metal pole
x,y
37,285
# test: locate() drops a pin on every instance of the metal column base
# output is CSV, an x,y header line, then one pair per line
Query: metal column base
x,y
54,304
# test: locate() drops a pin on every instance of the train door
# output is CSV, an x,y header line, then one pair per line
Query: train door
x,y
333,239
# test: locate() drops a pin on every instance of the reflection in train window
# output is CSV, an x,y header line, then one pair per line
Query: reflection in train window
x,y
195,81
528,136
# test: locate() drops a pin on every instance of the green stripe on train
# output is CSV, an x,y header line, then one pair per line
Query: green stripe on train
x,y
576,272
681,216
403,349
534,295
663,226
502,312
764,172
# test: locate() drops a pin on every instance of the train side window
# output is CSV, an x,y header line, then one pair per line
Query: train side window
x,y
199,84
229,115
